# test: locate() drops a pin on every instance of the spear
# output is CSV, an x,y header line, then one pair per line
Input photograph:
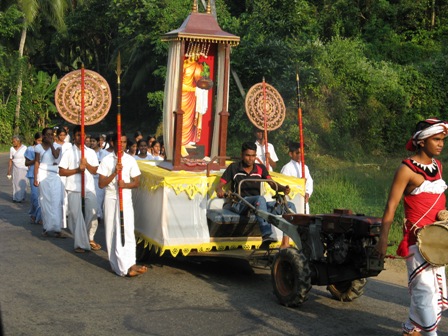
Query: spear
x,y
285,240
302,140
118,144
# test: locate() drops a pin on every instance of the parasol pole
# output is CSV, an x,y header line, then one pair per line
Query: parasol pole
x,y
118,144
285,240
265,126
83,112
302,140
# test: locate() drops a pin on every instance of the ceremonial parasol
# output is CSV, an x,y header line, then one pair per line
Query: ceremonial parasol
x,y
83,97
265,109
97,97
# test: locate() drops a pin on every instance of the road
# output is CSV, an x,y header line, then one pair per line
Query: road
x,y
46,289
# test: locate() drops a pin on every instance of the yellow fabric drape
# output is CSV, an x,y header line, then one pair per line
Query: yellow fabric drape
x,y
193,183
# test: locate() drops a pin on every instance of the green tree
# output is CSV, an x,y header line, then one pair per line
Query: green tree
x,y
51,10
9,26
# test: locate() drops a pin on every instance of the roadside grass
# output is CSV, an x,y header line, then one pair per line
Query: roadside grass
x,y
4,148
360,187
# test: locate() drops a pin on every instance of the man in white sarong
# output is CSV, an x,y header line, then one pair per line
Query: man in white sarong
x,y
82,223
122,258
419,180
294,168
271,156
46,177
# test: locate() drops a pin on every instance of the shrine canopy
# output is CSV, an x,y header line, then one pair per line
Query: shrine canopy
x,y
201,27
201,43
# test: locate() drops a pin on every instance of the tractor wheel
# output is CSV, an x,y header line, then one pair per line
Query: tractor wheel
x,y
347,291
291,277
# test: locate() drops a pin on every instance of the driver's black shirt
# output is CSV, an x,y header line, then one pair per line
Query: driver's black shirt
x,y
235,173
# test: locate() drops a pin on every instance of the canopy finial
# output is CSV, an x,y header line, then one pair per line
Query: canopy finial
x,y
209,7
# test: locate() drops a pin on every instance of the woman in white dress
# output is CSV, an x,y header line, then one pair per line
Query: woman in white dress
x,y
17,169
46,177
143,154
155,151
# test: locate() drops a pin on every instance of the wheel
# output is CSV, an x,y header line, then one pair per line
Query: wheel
x,y
347,291
291,277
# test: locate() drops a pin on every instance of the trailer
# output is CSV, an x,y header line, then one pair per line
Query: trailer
x,y
177,213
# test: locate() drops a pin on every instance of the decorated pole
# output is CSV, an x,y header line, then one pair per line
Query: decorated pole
x,y
83,107
119,149
302,140
265,114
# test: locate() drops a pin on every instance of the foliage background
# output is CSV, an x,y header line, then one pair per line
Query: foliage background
x,y
369,69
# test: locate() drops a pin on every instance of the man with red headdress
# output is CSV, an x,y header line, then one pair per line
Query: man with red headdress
x,y
419,180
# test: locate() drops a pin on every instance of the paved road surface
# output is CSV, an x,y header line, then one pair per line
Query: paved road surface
x,y
46,289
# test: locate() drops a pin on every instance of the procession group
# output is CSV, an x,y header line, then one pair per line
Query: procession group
x,y
75,188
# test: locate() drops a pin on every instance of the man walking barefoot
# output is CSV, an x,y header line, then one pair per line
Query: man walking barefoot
x,y
122,258
419,180
83,223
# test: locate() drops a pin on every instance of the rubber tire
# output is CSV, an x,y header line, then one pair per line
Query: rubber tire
x,y
291,277
347,291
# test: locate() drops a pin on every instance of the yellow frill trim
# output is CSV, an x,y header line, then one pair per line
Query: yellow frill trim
x,y
205,247
193,183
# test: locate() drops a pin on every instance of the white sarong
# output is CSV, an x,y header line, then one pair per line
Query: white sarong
x,y
427,286
50,199
76,223
121,258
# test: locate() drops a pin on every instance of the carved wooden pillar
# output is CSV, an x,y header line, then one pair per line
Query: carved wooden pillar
x,y
179,113
224,114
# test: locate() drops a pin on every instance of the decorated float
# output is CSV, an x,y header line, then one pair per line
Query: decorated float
x,y
177,210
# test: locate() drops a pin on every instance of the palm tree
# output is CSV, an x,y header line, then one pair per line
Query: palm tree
x,y
53,11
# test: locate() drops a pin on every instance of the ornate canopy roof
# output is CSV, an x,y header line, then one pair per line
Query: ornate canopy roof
x,y
201,27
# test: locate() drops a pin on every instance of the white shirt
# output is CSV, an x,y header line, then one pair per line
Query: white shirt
x,y
47,161
148,157
261,149
18,156
294,168
70,160
66,146
130,170
156,158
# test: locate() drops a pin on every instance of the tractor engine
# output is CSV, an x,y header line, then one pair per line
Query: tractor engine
x,y
339,246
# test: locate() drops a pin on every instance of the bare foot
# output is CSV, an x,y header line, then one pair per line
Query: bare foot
x,y
135,270
94,246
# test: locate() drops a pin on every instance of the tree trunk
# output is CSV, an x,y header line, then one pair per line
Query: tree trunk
x,y
19,82
433,14
213,7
